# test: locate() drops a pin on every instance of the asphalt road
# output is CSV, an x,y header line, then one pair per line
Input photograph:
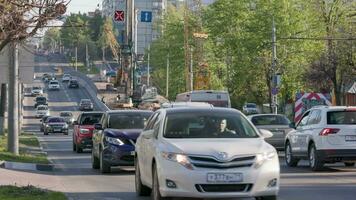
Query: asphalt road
x,y
81,182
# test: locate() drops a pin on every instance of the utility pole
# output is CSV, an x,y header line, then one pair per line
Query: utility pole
x,y
13,121
274,77
134,57
2,107
148,66
186,46
86,57
191,73
76,58
167,77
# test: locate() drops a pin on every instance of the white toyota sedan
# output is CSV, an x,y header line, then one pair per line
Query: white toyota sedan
x,y
205,153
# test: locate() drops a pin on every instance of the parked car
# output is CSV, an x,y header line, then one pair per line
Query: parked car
x,y
83,130
323,135
278,124
205,153
86,105
115,136
73,84
67,116
42,110
43,122
66,77
56,125
53,85
250,108
36,90
40,100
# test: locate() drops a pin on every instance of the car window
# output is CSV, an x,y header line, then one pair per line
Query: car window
x,y
314,118
208,125
127,120
67,114
341,117
56,120
270,120
90,118
304,120
151,121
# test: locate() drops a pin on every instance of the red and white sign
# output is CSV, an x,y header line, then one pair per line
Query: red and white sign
x,y
305,101
119,15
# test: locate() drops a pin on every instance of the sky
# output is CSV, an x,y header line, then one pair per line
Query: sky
x,y
82,5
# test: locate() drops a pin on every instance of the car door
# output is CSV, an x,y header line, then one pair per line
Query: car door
x,y
76,128
97,134
305,136
297,136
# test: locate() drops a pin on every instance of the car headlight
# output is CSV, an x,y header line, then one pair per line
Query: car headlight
x,y
263,157
84,131
65,126
179,158
115,141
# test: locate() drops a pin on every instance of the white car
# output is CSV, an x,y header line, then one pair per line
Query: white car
x,y
41,111
54,85
36,90
66,77
250,108
323,135
205,153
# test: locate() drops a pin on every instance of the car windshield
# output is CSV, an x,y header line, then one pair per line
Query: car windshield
x,y
41,99
128,120
53,82
42,108
65,114
85,102
341,117
208,124
251,105
270,120
73,81
36,88
56,120
90,118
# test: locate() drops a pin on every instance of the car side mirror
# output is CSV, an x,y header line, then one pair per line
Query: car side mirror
x,y
292,125
147,134
40,120
266,133
75,123
98,126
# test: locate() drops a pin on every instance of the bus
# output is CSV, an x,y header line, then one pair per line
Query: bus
x,y
214,97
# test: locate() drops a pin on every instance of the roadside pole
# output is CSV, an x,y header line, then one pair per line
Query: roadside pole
x,y
2,107
148,66
76,58
191,75
274,81
13,121
167,77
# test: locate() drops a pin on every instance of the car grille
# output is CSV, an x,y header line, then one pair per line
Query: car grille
x,y
128,158
212,162
56,126
223,187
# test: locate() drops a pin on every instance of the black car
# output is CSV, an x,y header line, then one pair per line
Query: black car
x,y
73,84
43,122
40,101
115,136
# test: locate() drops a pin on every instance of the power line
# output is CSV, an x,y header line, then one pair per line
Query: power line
x,y
311,38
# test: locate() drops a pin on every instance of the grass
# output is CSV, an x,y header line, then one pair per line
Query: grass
x,y
25,142
28,193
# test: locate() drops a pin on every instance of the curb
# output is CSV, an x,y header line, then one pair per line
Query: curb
x,y
26,166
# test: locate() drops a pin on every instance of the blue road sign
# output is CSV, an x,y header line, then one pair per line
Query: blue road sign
x,y
146,16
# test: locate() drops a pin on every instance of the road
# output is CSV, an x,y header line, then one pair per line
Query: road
x,y
79,181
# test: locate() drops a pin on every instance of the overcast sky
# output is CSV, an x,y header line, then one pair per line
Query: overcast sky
x,y
82,5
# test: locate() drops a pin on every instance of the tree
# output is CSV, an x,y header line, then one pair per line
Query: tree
x,y
51,38
22,19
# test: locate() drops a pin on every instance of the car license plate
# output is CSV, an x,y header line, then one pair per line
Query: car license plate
x,y
225,177
57,130
132,153
350,138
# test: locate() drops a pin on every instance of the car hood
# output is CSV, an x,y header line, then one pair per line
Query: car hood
x,y
123,133
213,146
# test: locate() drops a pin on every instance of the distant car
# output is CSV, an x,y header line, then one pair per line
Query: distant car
x,y
42,110
73,84
205,153
250,108
325,134
40,100
53,85
279,125
56,125
66,77
186,104
36,90
43,122
67,116
83,130
46,77
115,136
86,105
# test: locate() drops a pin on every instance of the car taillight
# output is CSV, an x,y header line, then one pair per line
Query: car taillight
x,y
327,131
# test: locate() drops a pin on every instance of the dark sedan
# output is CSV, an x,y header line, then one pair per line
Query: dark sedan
x,y
73,84
56,125
115,136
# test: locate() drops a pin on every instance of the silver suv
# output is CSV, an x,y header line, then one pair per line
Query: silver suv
x,y
323,135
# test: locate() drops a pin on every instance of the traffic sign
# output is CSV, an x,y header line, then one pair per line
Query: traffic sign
x,y
119,15
146,16
275,91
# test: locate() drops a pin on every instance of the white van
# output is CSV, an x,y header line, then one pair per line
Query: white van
x,y
213,97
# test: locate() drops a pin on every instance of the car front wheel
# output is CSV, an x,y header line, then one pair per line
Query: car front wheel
x,y
141,190
291,161
104,166
349,164
316,164
156,193
95,162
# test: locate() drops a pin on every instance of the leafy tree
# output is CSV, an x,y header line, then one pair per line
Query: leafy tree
x,y
51,38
